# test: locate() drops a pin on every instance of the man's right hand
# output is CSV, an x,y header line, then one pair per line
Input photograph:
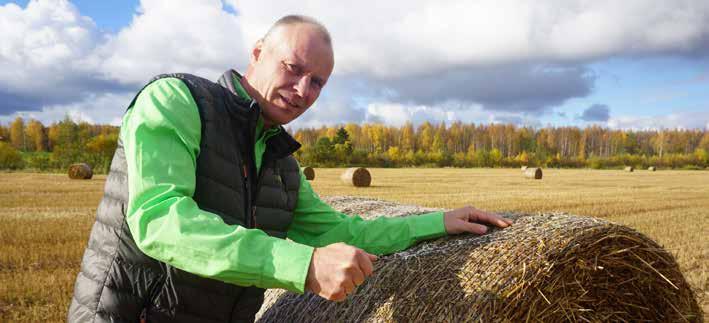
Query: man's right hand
x,y
336,270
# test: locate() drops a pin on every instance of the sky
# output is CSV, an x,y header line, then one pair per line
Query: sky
x,y
632,64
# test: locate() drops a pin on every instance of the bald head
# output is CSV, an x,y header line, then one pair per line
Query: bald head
x,y
288,68
291,20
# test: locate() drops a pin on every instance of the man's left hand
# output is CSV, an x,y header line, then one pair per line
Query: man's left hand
x,y
470,219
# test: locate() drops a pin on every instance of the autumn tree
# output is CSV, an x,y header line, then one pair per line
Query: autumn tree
x,y
36,136
17,134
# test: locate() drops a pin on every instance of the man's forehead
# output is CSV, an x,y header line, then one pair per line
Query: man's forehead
x,y
304,45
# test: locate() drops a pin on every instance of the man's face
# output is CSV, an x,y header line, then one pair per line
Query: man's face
x,y
288,70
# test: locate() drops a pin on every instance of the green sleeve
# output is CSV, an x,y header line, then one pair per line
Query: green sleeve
x,y
317,224
161,136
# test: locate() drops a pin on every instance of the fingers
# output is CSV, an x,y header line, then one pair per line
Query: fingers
x,y
475,228
490,218
365,263
358,277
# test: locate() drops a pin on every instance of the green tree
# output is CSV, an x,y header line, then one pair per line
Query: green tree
x,y
9,157
100,149
323,151
341,136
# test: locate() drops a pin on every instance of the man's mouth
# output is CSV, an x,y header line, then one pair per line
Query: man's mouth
x,y
290,103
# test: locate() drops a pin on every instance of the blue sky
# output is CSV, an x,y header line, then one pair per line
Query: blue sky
x,y
560,63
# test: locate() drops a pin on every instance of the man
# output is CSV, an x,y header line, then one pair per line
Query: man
x,y
203,191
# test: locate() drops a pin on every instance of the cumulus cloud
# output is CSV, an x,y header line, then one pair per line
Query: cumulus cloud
x,y
520,87
197,37
104,108
52,57
596,112
41,49
415,37
512,60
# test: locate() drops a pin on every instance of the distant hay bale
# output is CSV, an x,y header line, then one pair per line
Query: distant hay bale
x,y
651,168
544,268
80,171
629,169
309,173
358,177
533,172
524,168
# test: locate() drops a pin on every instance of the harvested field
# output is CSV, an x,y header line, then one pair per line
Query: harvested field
x,y
545,268
45,218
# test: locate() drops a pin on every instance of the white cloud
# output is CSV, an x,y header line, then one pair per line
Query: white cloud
x,y
105,108
395,38
397,114
41,46
173,36
55,61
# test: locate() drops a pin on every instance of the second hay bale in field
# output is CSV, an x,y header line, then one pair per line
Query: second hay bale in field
x,y
533,173
80,171
358,177
546,267
308,172
629,169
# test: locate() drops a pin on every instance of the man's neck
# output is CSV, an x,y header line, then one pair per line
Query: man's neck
x,y
244,81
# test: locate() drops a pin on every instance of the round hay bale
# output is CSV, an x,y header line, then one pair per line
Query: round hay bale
x,y
358,177
533,172
629,169
80,171
652,168
309,173
544,268
524,168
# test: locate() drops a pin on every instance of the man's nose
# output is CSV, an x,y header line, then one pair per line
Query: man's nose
x,y
302,86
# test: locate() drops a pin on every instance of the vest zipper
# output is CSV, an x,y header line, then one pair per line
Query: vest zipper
x,y
248,213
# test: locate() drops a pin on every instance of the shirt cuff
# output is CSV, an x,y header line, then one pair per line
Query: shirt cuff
x,y
291,262
427,226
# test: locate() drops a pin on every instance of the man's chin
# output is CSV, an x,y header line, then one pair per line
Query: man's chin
x,y
279,119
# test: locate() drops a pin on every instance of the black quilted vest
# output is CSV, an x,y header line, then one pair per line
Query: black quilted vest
x,y
119,283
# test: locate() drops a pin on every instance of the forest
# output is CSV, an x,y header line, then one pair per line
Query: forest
x,y
29,144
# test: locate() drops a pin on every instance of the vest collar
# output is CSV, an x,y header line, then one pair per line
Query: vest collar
x,y
278,146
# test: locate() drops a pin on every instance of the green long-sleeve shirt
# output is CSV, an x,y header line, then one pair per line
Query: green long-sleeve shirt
x,y
161,136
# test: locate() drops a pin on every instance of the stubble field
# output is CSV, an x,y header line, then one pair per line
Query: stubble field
x,y
45,218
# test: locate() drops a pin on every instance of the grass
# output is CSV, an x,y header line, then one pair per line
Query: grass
x,y
45,218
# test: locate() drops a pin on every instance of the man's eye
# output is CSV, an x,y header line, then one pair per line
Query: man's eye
x,y
292,68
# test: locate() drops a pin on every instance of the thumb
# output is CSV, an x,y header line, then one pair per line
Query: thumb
x,y
372,257
475,228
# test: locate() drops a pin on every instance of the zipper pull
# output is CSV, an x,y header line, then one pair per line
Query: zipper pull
x,y
253,216
144,315
246,172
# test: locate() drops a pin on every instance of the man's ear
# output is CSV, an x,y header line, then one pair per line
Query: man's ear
x,y
256,52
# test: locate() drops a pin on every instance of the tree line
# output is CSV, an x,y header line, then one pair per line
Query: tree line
x,y
500,145
30,144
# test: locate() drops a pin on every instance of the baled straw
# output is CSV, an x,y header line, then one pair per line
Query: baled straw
x,y
652,168
533,173
544,268
629,169
309,173
358,177
80,171
524,168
